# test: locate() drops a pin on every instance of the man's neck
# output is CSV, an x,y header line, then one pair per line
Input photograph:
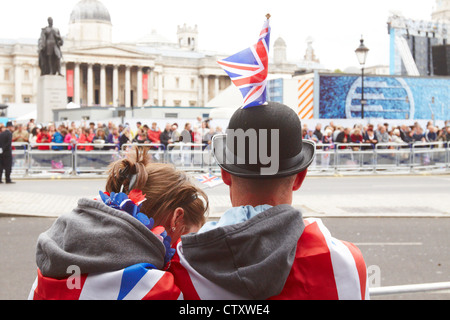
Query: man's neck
x,y
246,199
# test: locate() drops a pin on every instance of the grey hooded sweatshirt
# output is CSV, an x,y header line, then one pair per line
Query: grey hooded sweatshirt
x,y
97,239
251,259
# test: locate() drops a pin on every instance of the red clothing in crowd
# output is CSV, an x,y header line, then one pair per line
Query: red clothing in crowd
x,y
86,139
154,136
44,138
356,138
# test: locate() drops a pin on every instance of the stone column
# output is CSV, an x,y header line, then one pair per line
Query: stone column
x,y
18,82
103,85
76,84
90,85
127,86
139,102
64,69
116,86
216,86
160,89
150,86
205,90
199,90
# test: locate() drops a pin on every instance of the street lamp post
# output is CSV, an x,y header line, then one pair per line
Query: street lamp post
x,y
361,54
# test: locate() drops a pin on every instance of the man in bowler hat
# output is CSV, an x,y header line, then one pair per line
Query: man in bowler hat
x,y
263,248
6,152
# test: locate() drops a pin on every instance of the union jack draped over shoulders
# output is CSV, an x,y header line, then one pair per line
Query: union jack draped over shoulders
x,y
324,268
248,69
138,282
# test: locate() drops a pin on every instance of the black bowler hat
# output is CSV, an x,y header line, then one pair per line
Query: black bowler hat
x,y
273,143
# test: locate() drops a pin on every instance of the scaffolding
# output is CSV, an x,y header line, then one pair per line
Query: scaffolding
x,y
400,29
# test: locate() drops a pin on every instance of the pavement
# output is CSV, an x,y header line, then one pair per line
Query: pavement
x,y
336,196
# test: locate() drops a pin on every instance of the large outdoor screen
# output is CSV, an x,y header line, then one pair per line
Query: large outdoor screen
x,y
387,97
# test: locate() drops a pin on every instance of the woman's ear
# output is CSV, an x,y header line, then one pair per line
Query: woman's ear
x,y
177,217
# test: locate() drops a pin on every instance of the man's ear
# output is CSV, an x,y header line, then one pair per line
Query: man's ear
x,y
299,180
226,177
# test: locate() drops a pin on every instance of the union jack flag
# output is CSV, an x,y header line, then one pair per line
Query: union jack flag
x,y
248,69
137,282
209,180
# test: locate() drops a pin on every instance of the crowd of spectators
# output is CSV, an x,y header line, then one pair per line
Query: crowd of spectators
x,y
380,134
102,136
110,136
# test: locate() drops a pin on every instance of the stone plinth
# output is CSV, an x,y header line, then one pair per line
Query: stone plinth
x,y
52,94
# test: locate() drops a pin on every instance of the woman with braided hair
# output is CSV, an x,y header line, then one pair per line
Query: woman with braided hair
x,y
119,246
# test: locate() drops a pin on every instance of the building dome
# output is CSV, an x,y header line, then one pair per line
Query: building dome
x,y
279,54
90,10
280,42
89,25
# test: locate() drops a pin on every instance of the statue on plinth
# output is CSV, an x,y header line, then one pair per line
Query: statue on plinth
x,y
50,54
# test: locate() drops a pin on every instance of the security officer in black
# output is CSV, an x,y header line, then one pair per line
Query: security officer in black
x,y
6,152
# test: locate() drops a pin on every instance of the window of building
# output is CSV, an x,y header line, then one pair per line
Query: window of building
x,y
26,75
171,115
26,99
6,75
177,83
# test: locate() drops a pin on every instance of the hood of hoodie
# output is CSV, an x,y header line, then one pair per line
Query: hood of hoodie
x,y
251,259
97,239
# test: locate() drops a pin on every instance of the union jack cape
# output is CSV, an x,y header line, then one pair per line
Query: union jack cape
x,y
248,69
98,252
138,282
324,268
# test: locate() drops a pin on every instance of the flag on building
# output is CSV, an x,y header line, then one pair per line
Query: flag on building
x,y
305,99
209,180
248,69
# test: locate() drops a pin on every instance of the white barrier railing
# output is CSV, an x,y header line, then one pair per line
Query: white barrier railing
x,y
330,158
410,288
381,157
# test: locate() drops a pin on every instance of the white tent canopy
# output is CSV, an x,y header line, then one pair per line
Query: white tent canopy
x,y
225,104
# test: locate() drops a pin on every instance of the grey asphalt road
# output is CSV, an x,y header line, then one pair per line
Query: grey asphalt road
x,y
416,195
400,223
405,250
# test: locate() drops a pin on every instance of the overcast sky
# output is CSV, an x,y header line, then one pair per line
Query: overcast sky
x,y
230,26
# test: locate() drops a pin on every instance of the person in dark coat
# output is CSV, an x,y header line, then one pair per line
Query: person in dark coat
x,y
343,137
166,135
6,152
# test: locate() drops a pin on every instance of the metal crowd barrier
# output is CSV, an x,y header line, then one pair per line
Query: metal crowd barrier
x,y
75,159
190,156
410,288
382,157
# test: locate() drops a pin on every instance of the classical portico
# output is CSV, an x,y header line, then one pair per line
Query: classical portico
x,y
106,84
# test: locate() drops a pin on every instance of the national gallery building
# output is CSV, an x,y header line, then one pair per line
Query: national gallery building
x,y
150,72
